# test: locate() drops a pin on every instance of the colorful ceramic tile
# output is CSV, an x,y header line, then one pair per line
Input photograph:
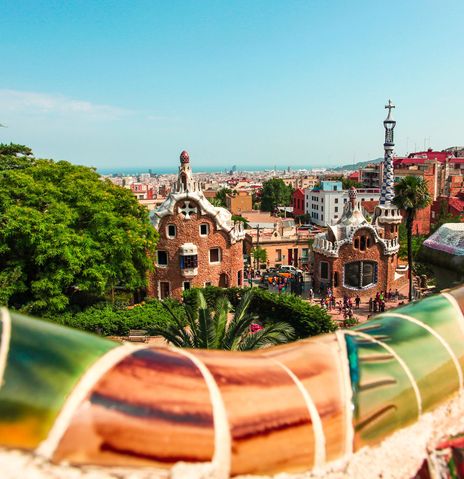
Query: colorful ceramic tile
x,y
152,408
269,420
45,362
384,397
430,363
317,363
443,317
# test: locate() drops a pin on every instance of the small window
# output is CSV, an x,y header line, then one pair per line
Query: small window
x,y
356,243
162,258
336,209
207,284
336,200
324,270
189,261
362,245
204,229
171,231
214,255
344,200
368,242
186,285
239,278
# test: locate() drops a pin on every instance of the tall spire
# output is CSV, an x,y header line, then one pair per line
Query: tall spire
x,y
387,193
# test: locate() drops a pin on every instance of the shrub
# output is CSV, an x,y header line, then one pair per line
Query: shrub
x,y
306,319
113,320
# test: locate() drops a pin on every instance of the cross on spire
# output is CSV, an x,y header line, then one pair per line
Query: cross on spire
x,y
390,106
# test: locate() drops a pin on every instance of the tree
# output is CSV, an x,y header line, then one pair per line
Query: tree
x,y
444,216
275,193
259,255
411,195
221,196
66,234
347,183
241,219
210,328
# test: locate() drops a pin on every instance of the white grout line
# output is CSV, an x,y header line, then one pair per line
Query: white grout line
x,y
400,361
319,436
434,334
4,342
222,458
93,374
455,304
348,399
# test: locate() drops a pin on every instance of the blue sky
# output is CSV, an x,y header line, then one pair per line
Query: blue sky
x,y
251,83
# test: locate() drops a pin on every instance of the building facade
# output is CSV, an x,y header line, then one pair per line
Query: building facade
x,y
356,256
298,202
199,243
284,244
325,204
239,202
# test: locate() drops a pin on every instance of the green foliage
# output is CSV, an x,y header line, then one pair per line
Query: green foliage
x,y
306,319
65,233
221,197
349,322
275,193
259,255
113,320
209,327
347,183
444,217
416,243
241,219
411,195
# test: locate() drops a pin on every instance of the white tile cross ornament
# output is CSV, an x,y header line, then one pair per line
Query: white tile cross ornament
x,y
187,210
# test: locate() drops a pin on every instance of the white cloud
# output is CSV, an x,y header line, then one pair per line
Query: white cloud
x,y
14,101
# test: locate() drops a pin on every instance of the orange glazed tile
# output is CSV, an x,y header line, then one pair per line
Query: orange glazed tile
x,y
153,408
271,429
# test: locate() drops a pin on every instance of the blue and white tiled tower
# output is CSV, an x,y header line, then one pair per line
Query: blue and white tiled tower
x,y
386,213
387,193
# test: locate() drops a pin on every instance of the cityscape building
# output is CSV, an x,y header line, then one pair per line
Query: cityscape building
x,y
325,204
199,244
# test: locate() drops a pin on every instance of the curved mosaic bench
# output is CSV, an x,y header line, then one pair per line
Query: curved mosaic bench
x,y
73,397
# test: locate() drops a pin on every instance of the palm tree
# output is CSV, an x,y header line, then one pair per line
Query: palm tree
x,y
210,328
411,195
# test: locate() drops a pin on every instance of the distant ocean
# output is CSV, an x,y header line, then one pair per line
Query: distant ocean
x,y
133,171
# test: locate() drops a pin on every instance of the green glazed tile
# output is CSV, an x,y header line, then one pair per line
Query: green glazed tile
x,y
438,313
384,399
425,356
45,362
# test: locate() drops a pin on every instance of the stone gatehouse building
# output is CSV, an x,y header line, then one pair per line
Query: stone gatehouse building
x,y
199,243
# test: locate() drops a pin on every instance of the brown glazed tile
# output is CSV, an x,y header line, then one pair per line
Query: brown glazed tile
x,y
153,408
271,429
317,364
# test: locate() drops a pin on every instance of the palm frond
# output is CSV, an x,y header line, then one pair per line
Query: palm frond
x,y
219,324
271,334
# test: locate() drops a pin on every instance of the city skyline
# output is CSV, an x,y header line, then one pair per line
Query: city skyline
x,y
248,84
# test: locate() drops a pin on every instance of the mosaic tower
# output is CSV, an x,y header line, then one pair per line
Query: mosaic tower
x,y
386,213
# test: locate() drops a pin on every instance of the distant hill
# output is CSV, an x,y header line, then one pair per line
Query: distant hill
x,y
356,166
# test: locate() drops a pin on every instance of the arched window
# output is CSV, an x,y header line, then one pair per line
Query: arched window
x,y
362,245
368,242
360,274
356,243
